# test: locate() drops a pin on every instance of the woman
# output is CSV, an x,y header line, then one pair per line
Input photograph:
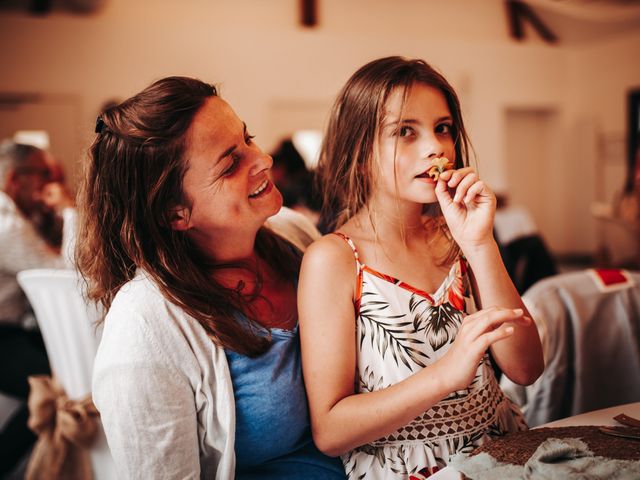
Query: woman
x,y
198,371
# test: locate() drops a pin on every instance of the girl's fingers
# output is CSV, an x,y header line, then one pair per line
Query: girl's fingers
x,y
478,314
442,193
457,175
489,338
494,319
478,189
463,187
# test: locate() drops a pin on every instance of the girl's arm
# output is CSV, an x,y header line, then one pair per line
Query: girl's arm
x,y
341,419
469,215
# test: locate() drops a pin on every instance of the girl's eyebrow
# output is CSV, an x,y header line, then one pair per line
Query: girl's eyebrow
x,y
393,122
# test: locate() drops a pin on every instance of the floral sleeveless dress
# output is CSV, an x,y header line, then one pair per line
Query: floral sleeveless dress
x,y
399,331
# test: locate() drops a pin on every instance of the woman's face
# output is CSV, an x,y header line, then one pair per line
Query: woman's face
x,y
409,138
227,185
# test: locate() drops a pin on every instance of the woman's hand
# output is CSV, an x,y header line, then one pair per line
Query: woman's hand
x,y
470,212
476,334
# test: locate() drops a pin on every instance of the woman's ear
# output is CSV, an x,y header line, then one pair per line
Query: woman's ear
x,y
179,218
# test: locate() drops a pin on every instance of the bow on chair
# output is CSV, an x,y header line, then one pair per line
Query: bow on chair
x,y
65,429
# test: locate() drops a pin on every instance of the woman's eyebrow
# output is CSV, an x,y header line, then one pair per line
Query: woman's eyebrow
x,y
226,153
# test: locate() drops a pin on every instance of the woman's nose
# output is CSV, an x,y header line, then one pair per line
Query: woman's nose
x,y
260,162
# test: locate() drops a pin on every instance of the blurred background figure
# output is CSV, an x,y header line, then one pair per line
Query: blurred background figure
x,y
295,180
37,223
524,252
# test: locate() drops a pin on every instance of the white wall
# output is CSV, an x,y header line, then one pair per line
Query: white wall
x,y
267,64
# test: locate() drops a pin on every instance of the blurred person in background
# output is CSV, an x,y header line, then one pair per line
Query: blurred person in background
x,y
522,247
37,222
295,181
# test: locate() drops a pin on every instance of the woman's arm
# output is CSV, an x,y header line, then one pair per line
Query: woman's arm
x,y
341,419
146,406
469,214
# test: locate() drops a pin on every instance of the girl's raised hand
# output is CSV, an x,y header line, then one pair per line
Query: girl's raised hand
x,y
470,212
476,334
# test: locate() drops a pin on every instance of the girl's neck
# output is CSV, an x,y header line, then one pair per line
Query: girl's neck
x,y
402,221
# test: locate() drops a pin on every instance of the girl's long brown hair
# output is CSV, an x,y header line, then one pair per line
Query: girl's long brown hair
x,y
346,166
132,178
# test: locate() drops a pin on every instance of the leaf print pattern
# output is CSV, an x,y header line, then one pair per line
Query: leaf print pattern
x,y
399,465
368,382
389,335
439,322
350,464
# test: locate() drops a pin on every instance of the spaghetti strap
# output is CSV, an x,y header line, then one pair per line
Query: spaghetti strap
x,y
359,268
353,247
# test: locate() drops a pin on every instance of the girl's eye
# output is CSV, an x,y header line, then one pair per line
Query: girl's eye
x,y
444,129
405,131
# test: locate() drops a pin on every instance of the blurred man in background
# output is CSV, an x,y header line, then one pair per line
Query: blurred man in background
x,y
37,227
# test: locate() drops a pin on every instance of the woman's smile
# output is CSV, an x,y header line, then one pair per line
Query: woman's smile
x,y
263,189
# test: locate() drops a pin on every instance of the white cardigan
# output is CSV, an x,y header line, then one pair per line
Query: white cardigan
x,y
163,388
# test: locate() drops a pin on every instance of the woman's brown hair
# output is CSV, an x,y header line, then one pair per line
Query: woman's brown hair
x,y
132,178
347,163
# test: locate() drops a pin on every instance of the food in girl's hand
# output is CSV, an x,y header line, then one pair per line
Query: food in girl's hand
x,y
439,165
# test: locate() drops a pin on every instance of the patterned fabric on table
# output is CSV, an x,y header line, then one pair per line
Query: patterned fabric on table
x,y
400,330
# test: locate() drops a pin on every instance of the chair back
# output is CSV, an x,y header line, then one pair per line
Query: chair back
x,y
589,324
68,326
67,323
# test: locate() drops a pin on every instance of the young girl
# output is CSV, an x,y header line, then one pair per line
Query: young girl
x,y
394,352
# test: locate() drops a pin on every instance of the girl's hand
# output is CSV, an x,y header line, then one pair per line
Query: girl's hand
x,y
469,214
476,334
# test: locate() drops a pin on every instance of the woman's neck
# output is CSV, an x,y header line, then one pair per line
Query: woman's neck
x,y
240,274
227,248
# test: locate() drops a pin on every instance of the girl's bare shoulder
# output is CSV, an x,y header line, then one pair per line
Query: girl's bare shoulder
x,y
331,248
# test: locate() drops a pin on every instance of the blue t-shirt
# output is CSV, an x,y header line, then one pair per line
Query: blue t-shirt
x,y
273,434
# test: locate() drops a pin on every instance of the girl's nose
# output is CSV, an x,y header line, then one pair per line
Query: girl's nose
x,y
433,149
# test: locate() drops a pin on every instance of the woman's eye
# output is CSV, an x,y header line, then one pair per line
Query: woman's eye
x,y
231,168
248,139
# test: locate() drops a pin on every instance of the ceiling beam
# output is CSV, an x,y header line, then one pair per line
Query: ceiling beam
x,y
308,13
518,12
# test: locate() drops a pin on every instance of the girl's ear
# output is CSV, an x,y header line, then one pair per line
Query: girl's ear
x,y
179,218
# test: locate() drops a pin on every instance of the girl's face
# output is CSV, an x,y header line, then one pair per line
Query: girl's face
x,y
409,138
227,182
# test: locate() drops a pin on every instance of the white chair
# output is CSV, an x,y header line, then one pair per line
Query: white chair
x,y
68,326
589,324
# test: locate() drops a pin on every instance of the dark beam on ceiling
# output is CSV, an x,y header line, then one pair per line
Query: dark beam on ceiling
x,y
308,13
519,12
